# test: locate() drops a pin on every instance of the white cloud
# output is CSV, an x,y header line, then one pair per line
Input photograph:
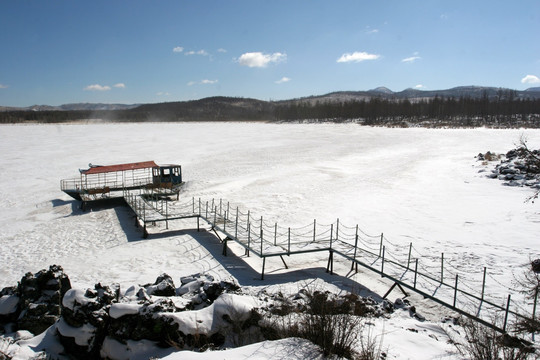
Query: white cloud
x,y
411,59
2,86
97,87
357,56
530,79
258,59
200,52
120,86
283,80
163,93
419,87
221,50
178,49
202,82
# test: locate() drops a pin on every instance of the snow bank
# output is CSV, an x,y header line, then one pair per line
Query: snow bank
x,y
118,310
291,348
46,341
211,319
81,335
132,350
76,296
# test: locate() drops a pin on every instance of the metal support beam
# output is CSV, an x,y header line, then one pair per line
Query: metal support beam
x,y
284,263
224,252
392,288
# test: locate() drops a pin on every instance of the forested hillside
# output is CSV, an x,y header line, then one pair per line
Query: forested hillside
x,y
505,109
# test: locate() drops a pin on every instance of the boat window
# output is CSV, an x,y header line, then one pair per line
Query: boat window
x,y
165,171
176,171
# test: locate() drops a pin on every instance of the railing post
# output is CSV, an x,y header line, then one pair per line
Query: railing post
x,y
249,239
484,283
199,206
275,235
247,220
506,313
289,243
355,247
455,290
236,226
220,209
261,241
415,272
382,264
381,246
215,216
228,212
206,210
331,234
193,212
314,227
409,259
337,229
442,267
167,215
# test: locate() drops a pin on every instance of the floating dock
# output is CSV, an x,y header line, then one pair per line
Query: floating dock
x,y
111,181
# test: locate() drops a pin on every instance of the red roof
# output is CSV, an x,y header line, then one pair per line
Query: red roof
x,y
119,167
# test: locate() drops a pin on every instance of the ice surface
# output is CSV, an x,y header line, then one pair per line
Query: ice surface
x,y
413,185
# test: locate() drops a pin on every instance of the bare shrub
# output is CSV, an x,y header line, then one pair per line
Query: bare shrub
x,y
328,322
484,343
529,283
371,346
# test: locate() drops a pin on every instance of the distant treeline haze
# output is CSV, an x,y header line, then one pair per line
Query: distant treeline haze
x,y
504,111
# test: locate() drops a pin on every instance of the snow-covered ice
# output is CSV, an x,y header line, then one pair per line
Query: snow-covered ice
x,y
413,185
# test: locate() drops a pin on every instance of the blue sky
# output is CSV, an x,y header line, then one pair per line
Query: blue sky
x,y
56,52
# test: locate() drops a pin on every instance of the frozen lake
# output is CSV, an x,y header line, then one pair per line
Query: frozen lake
x,y
414,185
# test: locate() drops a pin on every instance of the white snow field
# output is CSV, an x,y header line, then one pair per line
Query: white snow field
x,y
414,185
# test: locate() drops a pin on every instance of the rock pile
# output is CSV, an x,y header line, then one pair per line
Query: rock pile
x,y
92,323
35,303
517,168
108,322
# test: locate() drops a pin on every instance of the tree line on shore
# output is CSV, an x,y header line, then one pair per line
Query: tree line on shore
x,y
504,111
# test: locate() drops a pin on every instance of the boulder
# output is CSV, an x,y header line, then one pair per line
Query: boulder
x,y
163,286
85,319
9,305
535,265
40,299
146,323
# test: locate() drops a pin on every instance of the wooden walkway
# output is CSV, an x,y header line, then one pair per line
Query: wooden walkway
x,y
369,251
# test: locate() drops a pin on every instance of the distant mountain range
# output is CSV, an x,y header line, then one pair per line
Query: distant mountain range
x,y
416,95
72,107
340,96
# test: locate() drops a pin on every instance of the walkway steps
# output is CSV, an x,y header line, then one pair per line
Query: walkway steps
x,y
415,273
